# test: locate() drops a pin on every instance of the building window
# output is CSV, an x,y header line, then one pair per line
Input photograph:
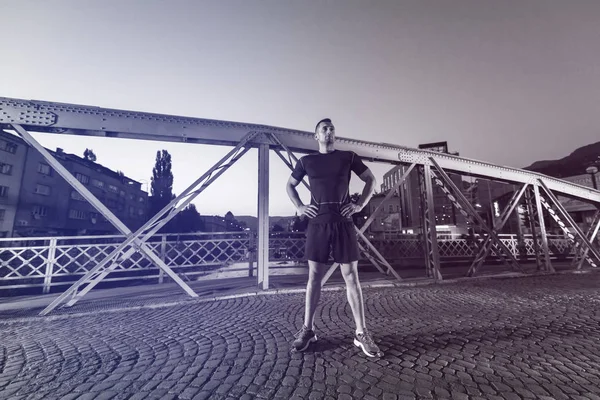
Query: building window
x,y
42,189
42,211
3,191
110,203
93,217
141,199
140,212
6,169
82,178
122,193
391,208
131,211
44,169
77,214
113,188
2,214
97,183
8,147
76,196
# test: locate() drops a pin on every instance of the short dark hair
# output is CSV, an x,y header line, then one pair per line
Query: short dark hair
x,y
321,121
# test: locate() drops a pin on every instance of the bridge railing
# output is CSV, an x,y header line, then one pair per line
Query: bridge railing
x,y
53,261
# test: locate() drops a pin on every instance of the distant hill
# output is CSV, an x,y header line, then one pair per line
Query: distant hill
x,y
252,222
573,164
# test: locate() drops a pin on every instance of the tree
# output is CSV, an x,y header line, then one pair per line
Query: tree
x,y
277,228
89,155
300,224
161,188
232,224
188,220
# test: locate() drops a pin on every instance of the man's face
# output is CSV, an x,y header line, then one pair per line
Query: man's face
x,y
325,133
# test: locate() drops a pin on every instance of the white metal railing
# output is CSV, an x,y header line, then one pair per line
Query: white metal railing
x,y
50,261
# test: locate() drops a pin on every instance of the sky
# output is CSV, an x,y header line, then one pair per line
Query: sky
x,y
506,81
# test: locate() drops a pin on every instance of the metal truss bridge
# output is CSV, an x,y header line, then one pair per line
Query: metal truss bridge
x,y
539,192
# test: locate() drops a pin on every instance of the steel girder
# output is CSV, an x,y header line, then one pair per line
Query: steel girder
x,y
502,251
95,121
532,216
565,215
263,217
430,243
134,241
576,243
390,193
487,243
543,233
580,252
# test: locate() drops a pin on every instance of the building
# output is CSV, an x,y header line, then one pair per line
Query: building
x,y
582,212
408,198
12,163
388,219
45,204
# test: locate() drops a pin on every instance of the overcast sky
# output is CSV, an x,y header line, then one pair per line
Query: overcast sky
x,y
506,81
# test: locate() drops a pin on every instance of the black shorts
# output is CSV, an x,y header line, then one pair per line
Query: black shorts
x,y
337,239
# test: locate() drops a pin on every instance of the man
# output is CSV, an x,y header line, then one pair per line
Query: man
x,y
331,229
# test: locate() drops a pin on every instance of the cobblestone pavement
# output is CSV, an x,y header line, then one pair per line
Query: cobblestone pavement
x,y
524,338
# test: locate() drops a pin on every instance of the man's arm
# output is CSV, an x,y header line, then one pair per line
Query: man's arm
x,y
370,182
290,188
369,179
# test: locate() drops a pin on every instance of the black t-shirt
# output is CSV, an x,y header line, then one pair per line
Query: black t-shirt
x,y
329,180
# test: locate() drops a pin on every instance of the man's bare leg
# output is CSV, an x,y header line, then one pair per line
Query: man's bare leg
x,y
354,294
362,338
316,271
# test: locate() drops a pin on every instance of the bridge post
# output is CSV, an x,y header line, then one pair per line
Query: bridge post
x,y
263,217
432,252
540,220
50,265
163,256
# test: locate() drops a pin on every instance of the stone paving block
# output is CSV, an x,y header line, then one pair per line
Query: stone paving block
x,y
493,350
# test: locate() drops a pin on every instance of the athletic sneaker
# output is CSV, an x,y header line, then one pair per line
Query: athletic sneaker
x,y
367,345
303,338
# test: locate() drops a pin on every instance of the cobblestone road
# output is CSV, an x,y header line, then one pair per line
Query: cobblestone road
x,y
535,337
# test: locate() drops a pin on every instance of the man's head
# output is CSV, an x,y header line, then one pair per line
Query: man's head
x,y
325,131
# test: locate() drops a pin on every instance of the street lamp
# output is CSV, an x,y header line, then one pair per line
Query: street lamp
x,y
592,171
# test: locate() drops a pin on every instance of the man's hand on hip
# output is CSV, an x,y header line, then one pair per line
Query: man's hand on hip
x,y
310,210
350,209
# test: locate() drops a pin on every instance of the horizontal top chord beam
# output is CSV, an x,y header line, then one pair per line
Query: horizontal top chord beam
x,y
61,118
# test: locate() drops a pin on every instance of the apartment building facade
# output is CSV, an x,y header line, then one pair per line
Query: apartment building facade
x,y
44,204
408,200
12,163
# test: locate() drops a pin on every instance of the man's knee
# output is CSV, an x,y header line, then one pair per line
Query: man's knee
x,y
316,272
350,272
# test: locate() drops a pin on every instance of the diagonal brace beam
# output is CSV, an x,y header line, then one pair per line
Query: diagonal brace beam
x,y
487,243
93,276
58,167
580,256
465,203
563,227
371,218
155,228
561,209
